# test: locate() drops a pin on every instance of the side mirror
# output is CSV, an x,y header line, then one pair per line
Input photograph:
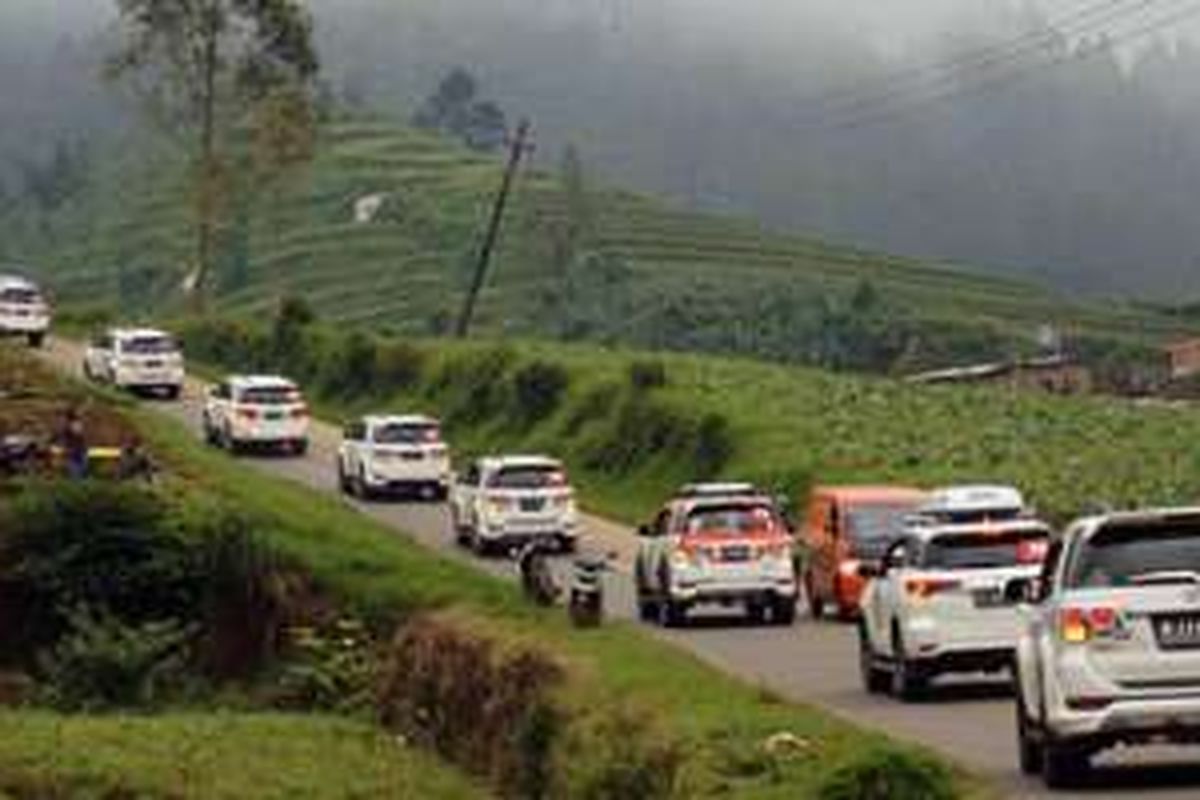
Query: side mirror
x,y
1023,590
645,531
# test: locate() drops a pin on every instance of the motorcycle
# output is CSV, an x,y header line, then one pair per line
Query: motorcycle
x,y
537,577
585,602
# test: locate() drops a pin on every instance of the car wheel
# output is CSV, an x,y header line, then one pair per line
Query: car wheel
x,y
300,447
756,612
342,483
36,340
361,488
783,611
816,606
1029,748
874,679
173,393
1063,765
672,614
908,684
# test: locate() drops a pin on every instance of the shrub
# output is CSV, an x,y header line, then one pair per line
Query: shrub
x,y
713,446
398,367
618,754
888,774
471,388
645,375
349,368
332,668
642,428
597,404
538,388
103,663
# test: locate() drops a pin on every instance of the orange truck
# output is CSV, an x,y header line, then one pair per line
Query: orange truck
x,y
843,527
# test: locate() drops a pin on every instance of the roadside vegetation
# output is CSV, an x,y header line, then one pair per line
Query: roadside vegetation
x,y
323,612
633,425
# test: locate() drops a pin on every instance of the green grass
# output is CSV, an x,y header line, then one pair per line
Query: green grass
x,y
403,271
216,756
723,721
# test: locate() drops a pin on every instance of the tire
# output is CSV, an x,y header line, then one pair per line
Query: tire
x,y
783,612
172,393
756,612
908,684
300,447
648,610
816,606
874,679
36,340
342,483
361,488
1029,748
1064,765
672,614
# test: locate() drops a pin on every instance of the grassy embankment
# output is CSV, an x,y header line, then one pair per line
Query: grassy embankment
x,y
780,426
626,711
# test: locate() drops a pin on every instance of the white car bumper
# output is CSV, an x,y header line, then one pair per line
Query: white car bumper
x,y
23,325
145,377
698,585
270,431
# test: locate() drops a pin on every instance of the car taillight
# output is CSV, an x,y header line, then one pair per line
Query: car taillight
x,y
500,502
1081,625
924,588
248,413
557,479
432,435
1032,551
777,549
848,568
300,412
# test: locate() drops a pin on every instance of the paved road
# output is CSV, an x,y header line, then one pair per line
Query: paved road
x,y
812,662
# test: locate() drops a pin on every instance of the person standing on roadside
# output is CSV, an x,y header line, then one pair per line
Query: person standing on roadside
x,y
72,438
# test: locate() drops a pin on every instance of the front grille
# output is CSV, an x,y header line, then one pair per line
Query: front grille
x,y
532,503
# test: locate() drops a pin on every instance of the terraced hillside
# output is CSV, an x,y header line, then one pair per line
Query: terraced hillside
x,y
647,273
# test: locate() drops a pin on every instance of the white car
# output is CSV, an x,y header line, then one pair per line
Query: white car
x,y
24,311
708,547
137,359
245,411
392,455
1110,650
945,598
504,502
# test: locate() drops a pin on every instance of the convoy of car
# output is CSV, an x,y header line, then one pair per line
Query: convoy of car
x,y
136,359
24,310
1099,626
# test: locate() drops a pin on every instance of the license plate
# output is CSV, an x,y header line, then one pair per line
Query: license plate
x,y
273,416
532,503
1177,631
990,597
735,554
154,364
413,456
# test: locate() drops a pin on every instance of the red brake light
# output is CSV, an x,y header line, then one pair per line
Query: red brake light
x,y
300,412
557,478
1032,551
922,588
433,435
248,413
1079,625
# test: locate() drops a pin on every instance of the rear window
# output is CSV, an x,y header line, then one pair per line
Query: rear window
x,y
529,477
873,523
733,520
269,396
23,296
985,549
408,434
150,346
1130,555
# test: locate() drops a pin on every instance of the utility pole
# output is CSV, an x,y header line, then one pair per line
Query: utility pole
x,y
520,146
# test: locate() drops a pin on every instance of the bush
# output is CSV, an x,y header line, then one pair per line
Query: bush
x,y
538,388
471,388
713,446
103,663
647,375
349,369
597,404
398,367
888,774
642,429
619,754
333,668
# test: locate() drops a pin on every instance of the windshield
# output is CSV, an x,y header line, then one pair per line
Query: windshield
x,y
270,396
871,528
731,520
986,549
423,433
20,295
150,346
529,477
1127,555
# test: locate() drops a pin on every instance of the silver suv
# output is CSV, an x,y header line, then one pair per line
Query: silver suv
x,y
1110,650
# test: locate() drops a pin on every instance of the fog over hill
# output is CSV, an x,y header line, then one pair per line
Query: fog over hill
x,y
1074,158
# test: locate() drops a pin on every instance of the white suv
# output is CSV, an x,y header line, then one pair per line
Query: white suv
x,y
1110,651
136,359
945,597
264,410
507,501
706,547
23,310
394,454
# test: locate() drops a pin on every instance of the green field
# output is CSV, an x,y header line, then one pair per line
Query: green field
x,y
682,280
781,426
216,756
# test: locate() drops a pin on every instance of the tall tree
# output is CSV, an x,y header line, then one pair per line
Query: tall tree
x,y
201,66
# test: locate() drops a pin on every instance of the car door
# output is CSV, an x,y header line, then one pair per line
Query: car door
x,y
1034,646
465,495
883,596
652,551
218,405
353,436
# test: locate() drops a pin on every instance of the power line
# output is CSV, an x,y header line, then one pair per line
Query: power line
x,y
892,110
1074,24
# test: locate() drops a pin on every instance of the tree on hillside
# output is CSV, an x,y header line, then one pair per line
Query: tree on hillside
x,y
454,108
202,66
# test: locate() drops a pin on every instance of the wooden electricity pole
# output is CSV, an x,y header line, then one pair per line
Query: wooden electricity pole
x,y
520,146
